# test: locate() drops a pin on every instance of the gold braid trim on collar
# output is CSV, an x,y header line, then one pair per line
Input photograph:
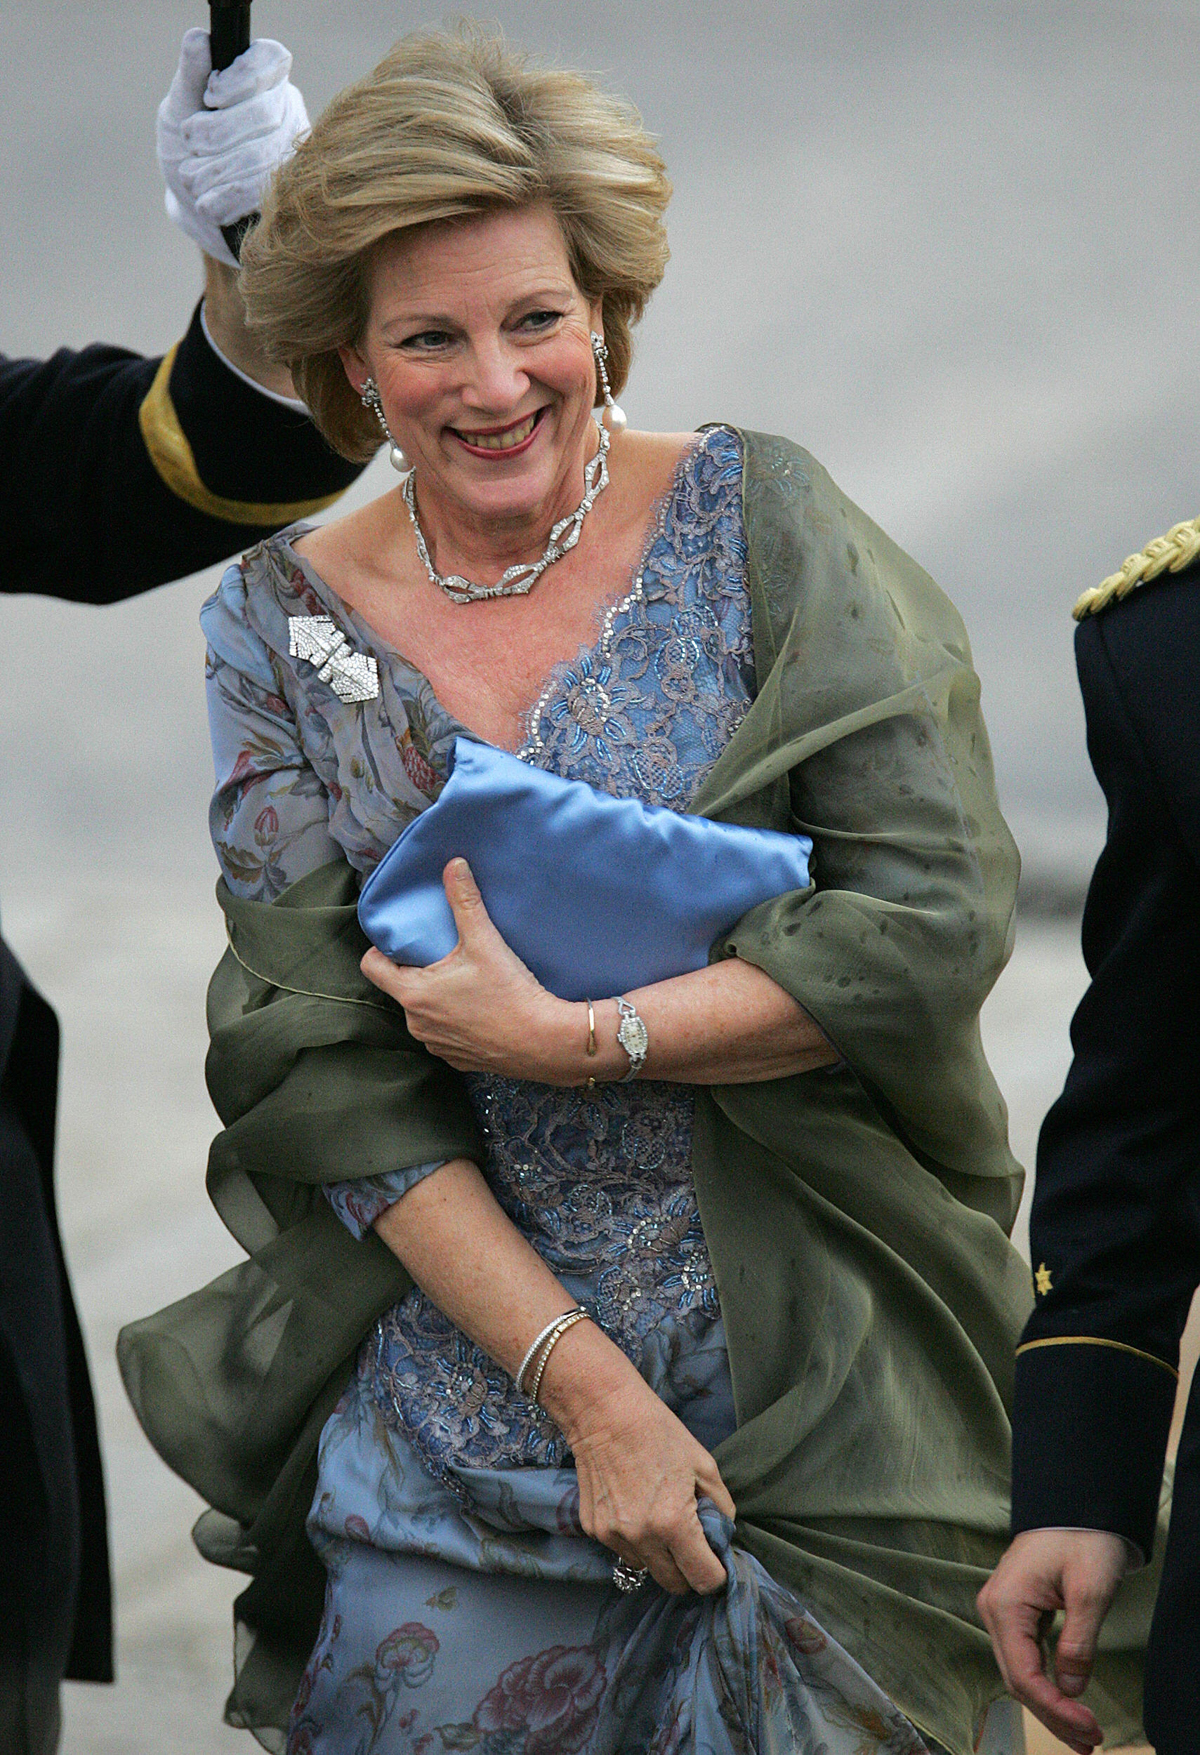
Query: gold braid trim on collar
x,y
1169,553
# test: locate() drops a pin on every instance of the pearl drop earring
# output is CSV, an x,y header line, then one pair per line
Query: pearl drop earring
x,y
613,417
370,398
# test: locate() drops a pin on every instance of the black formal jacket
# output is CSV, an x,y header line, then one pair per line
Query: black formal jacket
x,y
117,473
1115,1230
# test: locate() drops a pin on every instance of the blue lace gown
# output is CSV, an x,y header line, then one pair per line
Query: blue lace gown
x,y
466,1609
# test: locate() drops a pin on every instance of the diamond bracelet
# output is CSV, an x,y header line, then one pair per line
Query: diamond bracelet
x,y
634,1038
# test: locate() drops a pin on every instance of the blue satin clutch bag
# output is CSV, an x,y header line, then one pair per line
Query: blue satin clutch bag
x,y
595,894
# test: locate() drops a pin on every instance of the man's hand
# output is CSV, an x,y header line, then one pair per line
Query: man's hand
x,y
1077,1571
222,135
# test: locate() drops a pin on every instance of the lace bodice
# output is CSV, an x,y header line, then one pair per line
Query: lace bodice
x,y
646,712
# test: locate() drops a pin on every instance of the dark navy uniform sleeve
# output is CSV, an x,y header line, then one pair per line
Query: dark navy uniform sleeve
x,y
1115,1230
118,473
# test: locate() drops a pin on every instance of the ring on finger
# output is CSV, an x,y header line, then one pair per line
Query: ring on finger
x,y
629,1578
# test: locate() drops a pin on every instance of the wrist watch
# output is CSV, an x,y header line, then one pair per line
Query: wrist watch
x,y
634,1038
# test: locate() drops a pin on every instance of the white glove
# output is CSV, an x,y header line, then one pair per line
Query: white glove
x,y
221,135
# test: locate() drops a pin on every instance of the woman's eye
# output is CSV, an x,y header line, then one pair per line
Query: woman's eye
x,y
427,341
539,320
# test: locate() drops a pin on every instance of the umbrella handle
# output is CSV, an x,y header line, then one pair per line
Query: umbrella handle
x,y
229,35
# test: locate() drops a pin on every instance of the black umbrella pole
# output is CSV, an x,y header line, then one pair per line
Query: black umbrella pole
x,y
229,34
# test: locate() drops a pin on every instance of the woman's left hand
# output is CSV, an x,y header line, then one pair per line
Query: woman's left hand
x,y
480,1008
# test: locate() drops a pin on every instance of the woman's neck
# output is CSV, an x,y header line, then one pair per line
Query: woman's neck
x,y
482,546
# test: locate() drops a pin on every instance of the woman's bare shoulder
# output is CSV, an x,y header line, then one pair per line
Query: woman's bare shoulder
x,y
664,449
348,552
651,459
347,536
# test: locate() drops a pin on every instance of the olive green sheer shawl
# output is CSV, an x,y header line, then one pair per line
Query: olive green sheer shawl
x,y
857,1219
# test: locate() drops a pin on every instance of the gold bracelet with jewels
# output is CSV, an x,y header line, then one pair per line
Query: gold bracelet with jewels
x,y
540,1340
566,1323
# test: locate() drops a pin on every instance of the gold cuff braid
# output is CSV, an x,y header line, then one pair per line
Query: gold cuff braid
x,y
1097,1341
174,461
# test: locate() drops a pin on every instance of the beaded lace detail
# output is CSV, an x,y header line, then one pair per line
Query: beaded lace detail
x,y
672,670
601,1181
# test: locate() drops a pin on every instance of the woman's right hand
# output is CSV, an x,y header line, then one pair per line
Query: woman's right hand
x,y
640,1470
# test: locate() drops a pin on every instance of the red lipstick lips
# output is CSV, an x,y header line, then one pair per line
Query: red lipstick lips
x,y
497,442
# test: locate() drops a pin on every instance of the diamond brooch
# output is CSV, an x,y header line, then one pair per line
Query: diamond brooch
x,y
353,676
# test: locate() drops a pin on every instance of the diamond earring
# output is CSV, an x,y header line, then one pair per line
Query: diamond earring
x,y
613,417
370,398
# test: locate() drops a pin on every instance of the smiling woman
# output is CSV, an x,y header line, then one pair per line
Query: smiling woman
x,y
479,342
662,1251
447,128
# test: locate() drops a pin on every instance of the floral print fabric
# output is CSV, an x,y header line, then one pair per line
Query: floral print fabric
x,y
358,1204
418,1657
486,1620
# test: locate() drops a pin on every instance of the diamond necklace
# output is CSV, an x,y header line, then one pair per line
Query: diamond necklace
x,y
520,579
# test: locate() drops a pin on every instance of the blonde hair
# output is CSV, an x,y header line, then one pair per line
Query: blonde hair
x,y
448,125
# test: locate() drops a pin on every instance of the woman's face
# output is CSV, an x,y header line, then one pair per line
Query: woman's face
x,y
480,343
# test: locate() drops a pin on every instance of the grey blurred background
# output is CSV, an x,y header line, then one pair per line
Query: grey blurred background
x,y
950,248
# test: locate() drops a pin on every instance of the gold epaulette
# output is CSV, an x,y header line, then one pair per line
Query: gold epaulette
x,y
1166,554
